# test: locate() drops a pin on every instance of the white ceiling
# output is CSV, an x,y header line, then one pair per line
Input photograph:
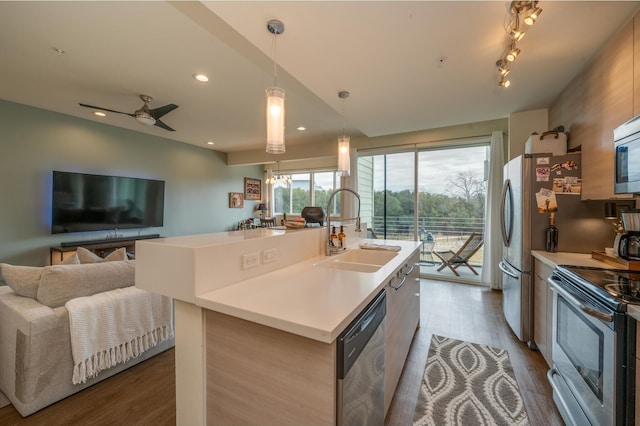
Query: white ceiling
x,y
387,54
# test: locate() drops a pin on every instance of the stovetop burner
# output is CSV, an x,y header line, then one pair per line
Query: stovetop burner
x,y
628,292
617,286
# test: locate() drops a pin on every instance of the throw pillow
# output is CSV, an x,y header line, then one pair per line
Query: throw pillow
x,y
71,260
87,256
23,280
60,283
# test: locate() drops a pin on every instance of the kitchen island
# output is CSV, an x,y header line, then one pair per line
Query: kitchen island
x,y
257,317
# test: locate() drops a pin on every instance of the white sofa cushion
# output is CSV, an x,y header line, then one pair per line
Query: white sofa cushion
x,y
71,260
60,283
23,280
87,256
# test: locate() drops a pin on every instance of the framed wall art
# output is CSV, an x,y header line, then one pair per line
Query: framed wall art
x,y
236,200
252,189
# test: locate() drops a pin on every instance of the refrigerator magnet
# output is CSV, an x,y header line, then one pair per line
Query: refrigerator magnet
x,y
546,201
542,174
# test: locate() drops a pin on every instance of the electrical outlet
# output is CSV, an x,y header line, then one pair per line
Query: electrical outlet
x,y
270,255
250,260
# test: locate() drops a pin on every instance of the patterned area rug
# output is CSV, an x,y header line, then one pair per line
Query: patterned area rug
x,y
468,384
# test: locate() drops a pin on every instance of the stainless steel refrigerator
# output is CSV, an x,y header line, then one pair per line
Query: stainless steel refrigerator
x,y
529,180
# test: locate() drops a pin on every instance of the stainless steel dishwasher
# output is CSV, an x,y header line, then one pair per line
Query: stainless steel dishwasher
x,y
361,367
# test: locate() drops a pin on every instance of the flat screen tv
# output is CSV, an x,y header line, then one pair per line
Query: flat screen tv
x,y
85,202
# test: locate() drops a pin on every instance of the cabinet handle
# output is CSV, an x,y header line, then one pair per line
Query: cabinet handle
x,y
411,269
399,285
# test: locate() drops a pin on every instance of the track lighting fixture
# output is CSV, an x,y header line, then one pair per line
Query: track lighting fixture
x,y
526,11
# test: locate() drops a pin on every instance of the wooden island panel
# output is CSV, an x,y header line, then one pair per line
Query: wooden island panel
x,y
257,375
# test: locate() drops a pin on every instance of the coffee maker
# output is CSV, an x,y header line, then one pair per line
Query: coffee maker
x,y
629,247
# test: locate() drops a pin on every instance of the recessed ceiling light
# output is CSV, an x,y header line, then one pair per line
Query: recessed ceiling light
x,y
99,113
201,77
301,128
210,143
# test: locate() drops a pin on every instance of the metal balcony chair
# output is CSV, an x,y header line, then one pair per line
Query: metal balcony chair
x,y
461,257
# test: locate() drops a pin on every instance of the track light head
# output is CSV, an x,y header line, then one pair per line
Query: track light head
x,y
512,54
533,16
504,83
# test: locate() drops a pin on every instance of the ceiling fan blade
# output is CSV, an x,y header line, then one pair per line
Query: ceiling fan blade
x,y
159,112
164,126
106,109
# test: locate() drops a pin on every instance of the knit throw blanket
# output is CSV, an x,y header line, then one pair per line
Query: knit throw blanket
x,y
112,327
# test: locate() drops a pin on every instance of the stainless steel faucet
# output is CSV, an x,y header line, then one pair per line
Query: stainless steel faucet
x,y
331,249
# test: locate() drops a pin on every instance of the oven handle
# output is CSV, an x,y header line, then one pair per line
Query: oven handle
x,y
557,286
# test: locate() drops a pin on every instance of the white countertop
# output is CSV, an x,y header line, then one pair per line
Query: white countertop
x,y
579,259
306,298
565,258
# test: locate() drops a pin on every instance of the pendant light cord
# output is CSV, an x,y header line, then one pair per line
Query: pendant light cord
x,y
344,100
275,61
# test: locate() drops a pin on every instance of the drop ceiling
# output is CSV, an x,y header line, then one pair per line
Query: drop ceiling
x,y
408,65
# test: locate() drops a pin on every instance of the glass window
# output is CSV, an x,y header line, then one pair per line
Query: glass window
x,y
306,189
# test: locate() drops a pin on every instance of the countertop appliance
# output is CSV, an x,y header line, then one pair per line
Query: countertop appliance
x,y
312,214
526,178
594,345
629,246
360,391
626,138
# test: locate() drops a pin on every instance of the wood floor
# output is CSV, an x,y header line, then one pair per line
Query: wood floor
x,y
471,313
145,394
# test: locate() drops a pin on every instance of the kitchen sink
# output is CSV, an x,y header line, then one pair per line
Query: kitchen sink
x,y
371,257
350,266
358,260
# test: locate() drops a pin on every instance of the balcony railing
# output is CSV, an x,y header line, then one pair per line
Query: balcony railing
x,y
442,228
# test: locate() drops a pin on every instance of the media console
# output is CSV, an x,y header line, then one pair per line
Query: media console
x,y
99,247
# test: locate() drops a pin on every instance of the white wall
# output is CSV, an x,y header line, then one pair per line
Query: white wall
x,y
521,125
34,142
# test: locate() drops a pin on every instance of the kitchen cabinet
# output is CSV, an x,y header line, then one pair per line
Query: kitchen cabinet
x,y
286,377
403,317
542,309
598,100
256,374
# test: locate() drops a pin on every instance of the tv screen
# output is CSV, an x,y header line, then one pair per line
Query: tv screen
x,y
85,202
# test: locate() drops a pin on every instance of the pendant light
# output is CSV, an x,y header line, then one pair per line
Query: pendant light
x,y
278,178
275,100
344,162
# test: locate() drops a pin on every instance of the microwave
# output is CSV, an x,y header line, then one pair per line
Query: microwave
x,y
626,138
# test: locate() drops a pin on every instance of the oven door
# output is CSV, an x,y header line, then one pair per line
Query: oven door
x,y
584,346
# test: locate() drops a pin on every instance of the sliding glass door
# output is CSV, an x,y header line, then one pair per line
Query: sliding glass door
x,y
434,195
392,196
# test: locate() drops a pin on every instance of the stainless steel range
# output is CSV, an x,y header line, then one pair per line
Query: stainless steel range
x,y
594,343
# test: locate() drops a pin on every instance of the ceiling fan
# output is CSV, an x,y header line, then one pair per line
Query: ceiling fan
x,y
144,115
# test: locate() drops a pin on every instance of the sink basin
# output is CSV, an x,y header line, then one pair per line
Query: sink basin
x,y
351,266
371,257
359,260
